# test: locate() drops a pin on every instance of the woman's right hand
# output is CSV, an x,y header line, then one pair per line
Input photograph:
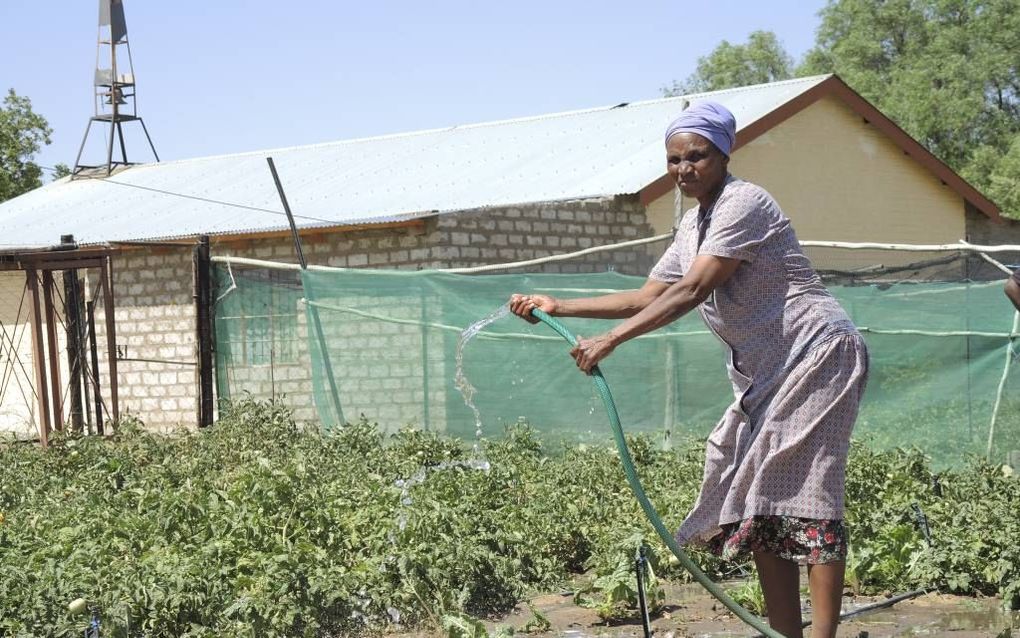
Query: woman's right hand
x,y
522,305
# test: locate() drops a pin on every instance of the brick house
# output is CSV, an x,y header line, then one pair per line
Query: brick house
x,y
462,196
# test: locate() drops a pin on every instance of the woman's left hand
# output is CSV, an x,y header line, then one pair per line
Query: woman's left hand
x,y
588,352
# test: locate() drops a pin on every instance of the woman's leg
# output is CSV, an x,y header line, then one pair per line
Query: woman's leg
x,y
826,583
780,582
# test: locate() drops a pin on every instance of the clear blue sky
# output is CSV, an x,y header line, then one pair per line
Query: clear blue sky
x,y
223,76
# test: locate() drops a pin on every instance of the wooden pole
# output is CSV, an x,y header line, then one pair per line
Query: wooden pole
x,y
38,356
203,329
106,273
51,337
97,395
72,310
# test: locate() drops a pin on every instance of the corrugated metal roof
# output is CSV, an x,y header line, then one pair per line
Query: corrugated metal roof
x,y
576,155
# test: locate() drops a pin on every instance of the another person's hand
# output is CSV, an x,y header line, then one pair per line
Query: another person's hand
x,y
522,305
588,352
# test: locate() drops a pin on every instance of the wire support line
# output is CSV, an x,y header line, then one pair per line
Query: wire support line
x,y
231,288
208,200
939,291
1001,388
162,361
496,336
554,258
963,247
996,263
654,335
948,333
960,247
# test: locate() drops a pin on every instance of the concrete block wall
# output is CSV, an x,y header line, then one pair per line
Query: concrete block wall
x,y
517,233
384,370
155,322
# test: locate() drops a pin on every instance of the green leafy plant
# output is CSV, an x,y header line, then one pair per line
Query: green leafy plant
x,y
259,526
749,595
613,592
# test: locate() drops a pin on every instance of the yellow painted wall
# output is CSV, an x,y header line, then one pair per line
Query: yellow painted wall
x,y
839,178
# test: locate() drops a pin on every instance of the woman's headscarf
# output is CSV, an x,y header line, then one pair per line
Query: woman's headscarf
x,y
710,120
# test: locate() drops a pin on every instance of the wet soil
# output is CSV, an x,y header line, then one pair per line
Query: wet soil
x,y
691,612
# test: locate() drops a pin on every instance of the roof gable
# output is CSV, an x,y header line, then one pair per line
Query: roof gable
x,y
835,87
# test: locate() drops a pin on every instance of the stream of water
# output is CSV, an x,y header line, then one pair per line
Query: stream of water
x,y
461,382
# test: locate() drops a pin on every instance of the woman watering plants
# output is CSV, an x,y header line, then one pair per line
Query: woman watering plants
x,y
774,475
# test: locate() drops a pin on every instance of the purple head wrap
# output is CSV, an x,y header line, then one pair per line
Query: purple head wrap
x,y
710,120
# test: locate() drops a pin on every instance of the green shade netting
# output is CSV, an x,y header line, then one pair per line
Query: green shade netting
x,y
390,340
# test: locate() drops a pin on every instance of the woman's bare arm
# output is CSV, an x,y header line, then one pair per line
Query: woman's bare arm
x,y
707,273
617,305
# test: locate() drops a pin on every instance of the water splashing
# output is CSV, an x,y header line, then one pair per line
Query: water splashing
x,y
477,462
460,380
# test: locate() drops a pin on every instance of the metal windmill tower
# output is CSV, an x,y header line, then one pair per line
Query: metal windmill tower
x,y
114,89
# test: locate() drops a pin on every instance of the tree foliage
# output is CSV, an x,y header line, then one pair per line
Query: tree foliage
x,y
946,71
761,60
61,170
22,134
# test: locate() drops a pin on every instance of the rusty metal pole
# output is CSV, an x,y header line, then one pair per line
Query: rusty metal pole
x,y
106,272
313,311
38,356
51,337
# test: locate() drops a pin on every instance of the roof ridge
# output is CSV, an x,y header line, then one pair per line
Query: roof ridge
x,y
476,125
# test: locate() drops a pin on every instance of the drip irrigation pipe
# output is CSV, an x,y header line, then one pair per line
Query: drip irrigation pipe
x,y
639,491
866,609
882,604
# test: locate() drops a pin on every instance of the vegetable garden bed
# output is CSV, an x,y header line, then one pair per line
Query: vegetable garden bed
x,y
258,527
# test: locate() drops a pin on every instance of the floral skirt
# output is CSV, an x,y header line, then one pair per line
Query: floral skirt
x,y
805,541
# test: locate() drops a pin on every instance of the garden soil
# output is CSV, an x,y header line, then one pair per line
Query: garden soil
x,y
691,612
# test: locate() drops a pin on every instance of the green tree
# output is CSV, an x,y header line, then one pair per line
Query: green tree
x,y
761,60
61,170
999,174
946,71
22,134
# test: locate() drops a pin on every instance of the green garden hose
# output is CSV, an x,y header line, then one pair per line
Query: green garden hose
x,y
635,485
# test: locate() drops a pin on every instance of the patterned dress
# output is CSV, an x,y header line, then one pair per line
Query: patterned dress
x,y
776,461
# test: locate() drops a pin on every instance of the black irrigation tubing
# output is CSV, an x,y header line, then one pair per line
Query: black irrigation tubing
x,y
882,604
889,602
